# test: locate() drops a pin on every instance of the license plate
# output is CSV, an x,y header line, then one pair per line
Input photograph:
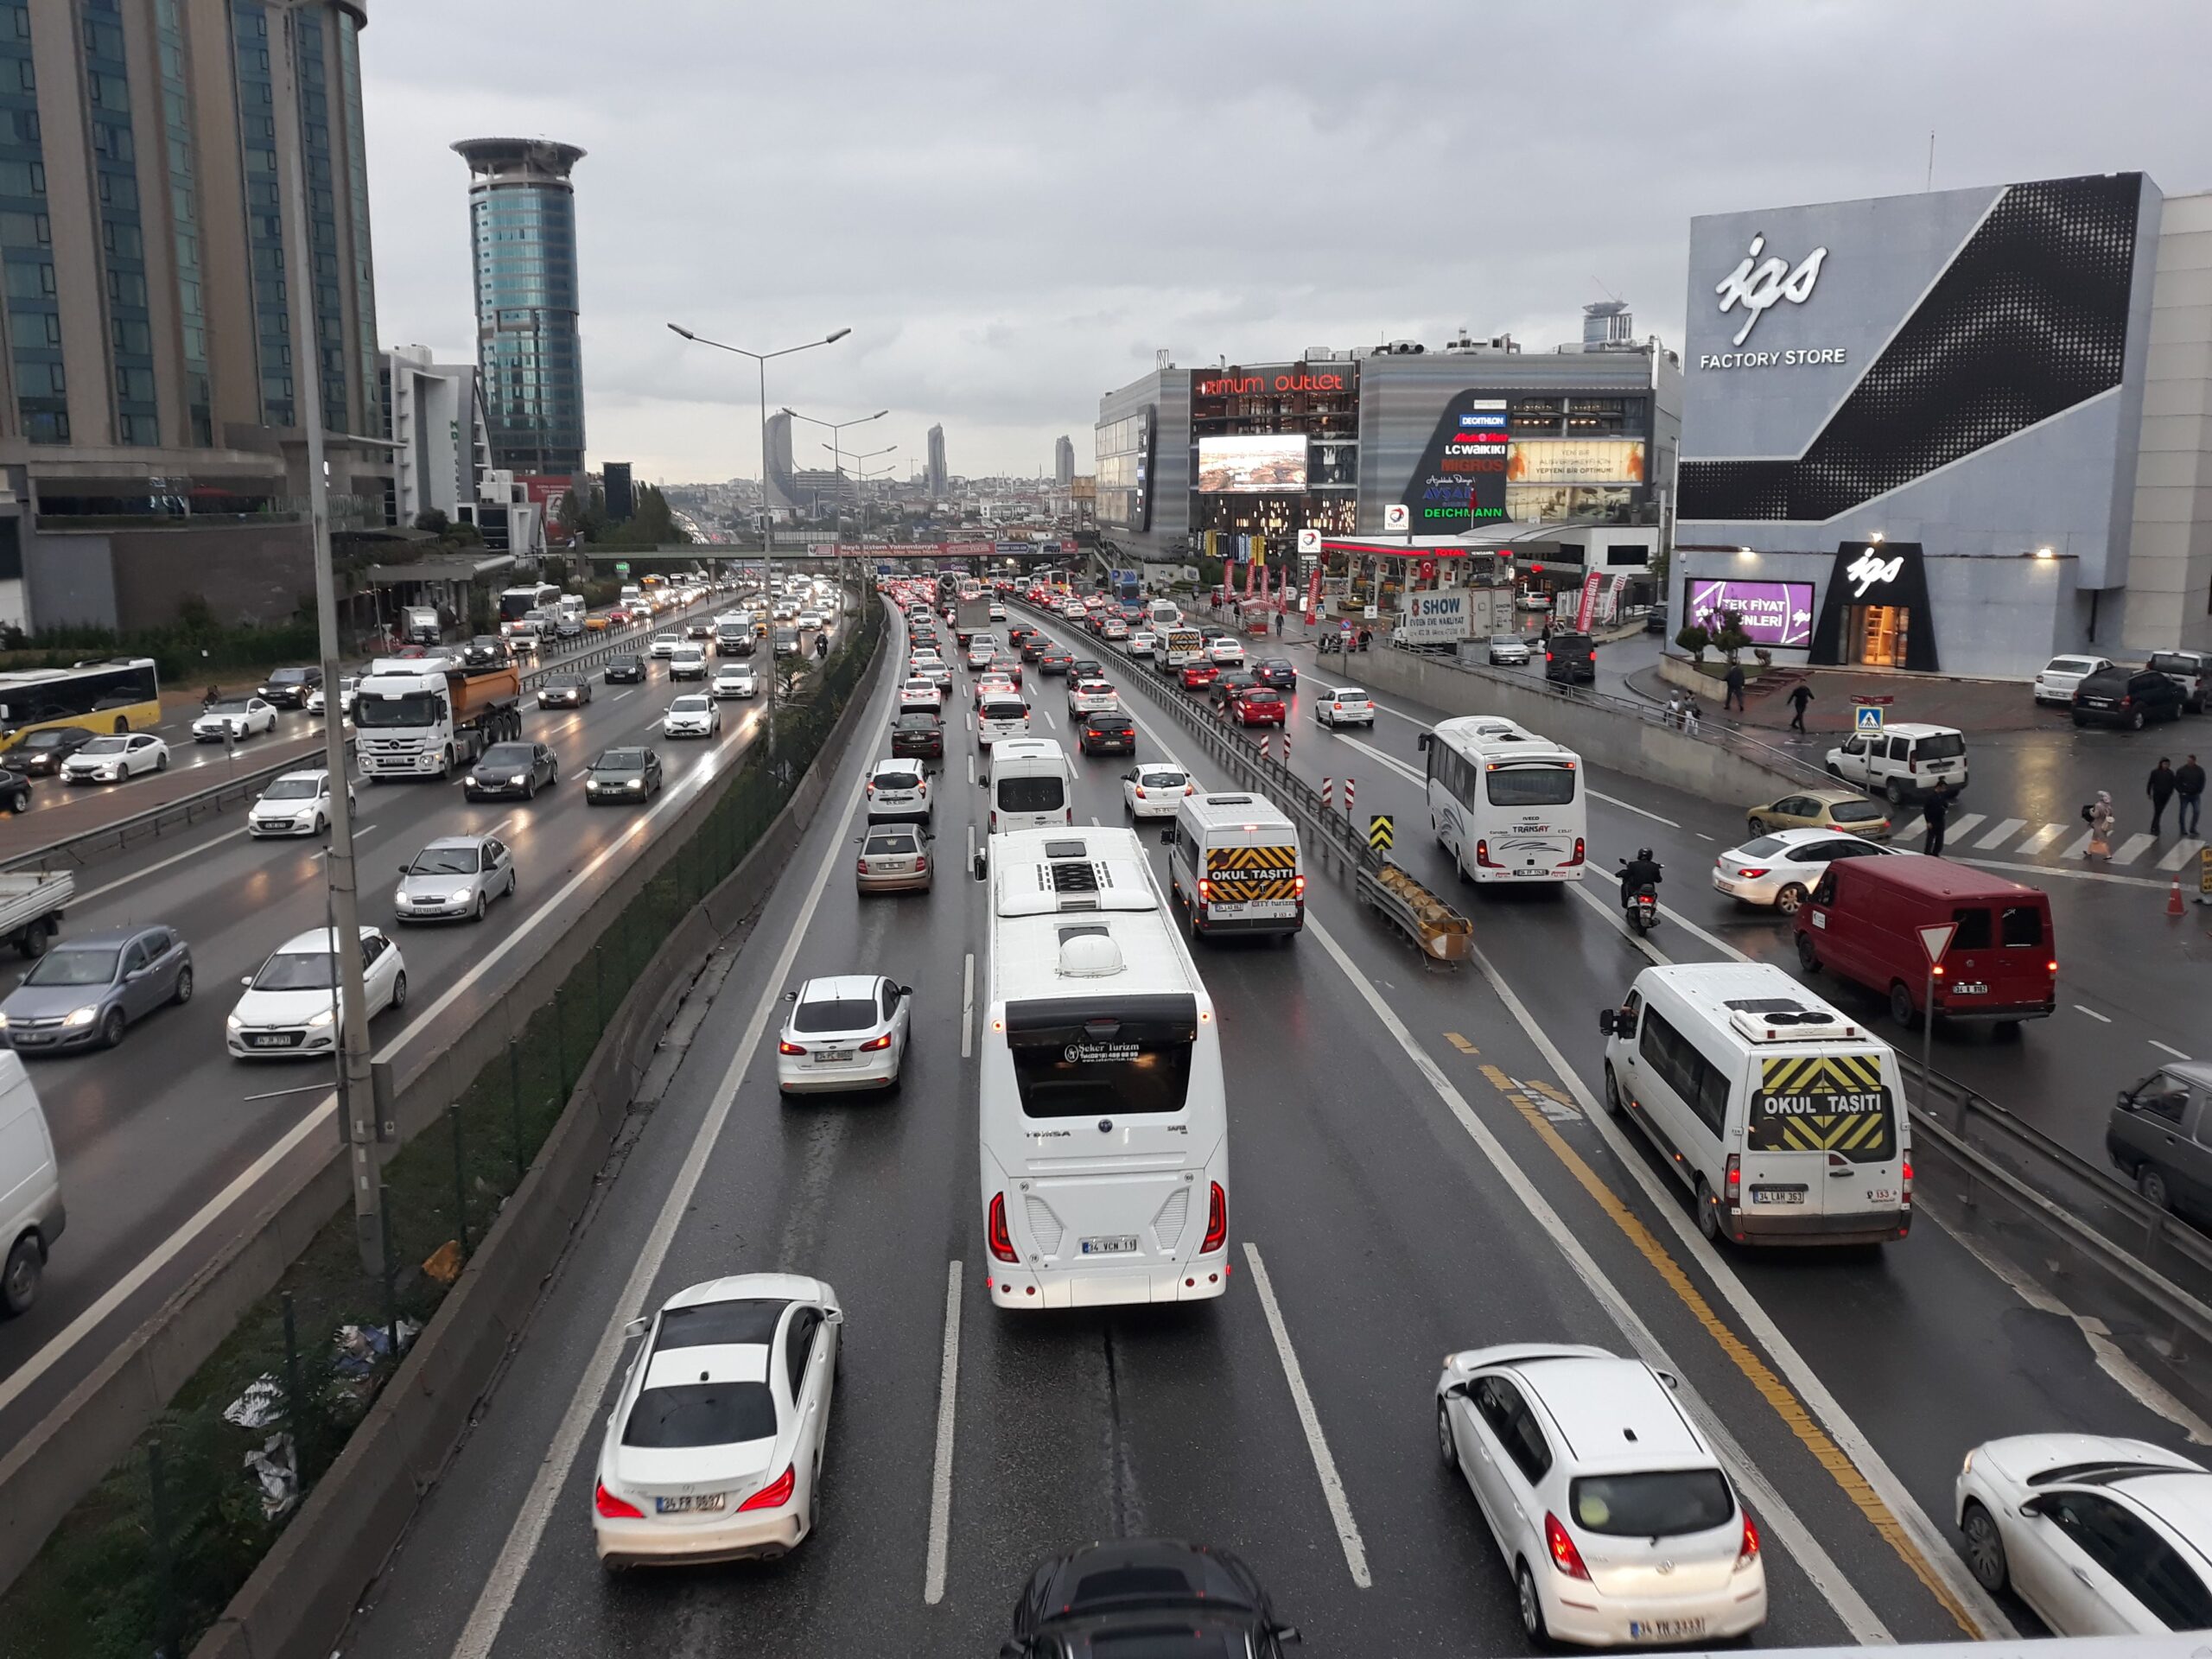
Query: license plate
x,y
1664,1629
1726,887
833,1056
1972,988
1113,1244
698,1503
1777,1195
270,1042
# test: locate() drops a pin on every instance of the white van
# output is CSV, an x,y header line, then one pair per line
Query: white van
x,y
1233,860
1031,785
1000,716
1785,1118
1340,705
1904,762
1102,1114
31,1216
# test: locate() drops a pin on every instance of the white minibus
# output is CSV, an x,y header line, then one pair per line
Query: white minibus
x,y
1031,785
1103,1116
1507,804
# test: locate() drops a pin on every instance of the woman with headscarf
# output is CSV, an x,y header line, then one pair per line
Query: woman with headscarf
x,y
2100,821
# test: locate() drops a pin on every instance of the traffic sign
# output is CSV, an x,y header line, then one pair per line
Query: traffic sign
x,y
1935,939
621,567
1869,717
1381,831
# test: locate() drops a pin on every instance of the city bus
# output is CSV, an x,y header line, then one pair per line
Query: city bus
x,y
1507,804
515,603
121,695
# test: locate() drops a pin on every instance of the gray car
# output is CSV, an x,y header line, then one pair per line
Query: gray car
x,y
84,990
455,876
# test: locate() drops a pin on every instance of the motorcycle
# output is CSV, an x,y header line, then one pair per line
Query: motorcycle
x,y
1642,908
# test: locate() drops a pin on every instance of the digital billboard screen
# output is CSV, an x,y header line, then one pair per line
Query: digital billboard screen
x,y
1773,612
1249,463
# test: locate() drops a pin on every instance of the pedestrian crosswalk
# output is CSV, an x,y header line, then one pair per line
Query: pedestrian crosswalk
x,y
2141,849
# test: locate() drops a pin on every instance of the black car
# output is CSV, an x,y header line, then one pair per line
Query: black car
x,y
623,775
2127,696
288,688
700,629
485,651
1086,668
512,769
1571,658
15,790
1228,680
916,736
620,669
1107,732
1054,660
41,755
564,691
1033,646
1277,671
1107,1598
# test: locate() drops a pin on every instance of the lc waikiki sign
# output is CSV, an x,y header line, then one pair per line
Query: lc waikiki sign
x,y
1284,378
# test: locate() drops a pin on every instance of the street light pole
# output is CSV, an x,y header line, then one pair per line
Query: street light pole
x,y
836,460
357,1104
767,512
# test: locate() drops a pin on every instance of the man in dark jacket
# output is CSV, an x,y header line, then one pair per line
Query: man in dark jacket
x,y
2188,785
1799,694
1735,680
1936,814
2160,789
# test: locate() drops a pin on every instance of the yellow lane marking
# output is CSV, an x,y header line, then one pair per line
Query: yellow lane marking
x,y
1460,1043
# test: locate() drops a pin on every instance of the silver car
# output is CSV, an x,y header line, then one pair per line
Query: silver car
x,y
85,991
1508,648
455,876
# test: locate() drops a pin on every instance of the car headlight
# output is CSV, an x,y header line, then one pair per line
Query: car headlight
x,y
636,782
82,1016
519,778
232,1022
321,1018
3,1022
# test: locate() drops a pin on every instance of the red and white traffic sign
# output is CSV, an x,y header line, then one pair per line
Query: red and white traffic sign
x,y
1935,939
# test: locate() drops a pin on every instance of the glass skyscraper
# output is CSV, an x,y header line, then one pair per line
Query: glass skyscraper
x,y
522,219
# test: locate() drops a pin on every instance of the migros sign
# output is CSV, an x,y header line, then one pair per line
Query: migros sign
x,y
1293,377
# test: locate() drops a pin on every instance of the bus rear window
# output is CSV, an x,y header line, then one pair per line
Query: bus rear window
x,y
1042,792
1531,785
1102,1079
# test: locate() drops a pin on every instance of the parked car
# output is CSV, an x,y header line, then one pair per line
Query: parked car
x,y
917,735
564,691
41,753
86,989
455,876
2130,697
512,769
235,718
2056,681
2190,669
2160,1135
1847,810
1903,762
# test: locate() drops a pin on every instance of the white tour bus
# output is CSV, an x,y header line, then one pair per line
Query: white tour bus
x,y
1102,1119
1031,785
1507,804
1785,1117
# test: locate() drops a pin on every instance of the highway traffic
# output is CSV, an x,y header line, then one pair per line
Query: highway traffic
x,y
1421,1167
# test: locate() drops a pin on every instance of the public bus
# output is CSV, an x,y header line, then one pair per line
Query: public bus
x,y
121,695
1507,804
515,603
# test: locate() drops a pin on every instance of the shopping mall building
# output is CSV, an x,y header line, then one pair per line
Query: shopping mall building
x,y
1953,432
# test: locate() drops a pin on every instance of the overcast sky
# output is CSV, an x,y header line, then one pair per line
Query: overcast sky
x,y
1013,206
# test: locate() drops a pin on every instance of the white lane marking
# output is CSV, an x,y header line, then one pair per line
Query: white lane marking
x,y
2082,1008
2080,845
968,982
948,1388
1391,760
2042,838
2166,1048
505,1577
2187,849
1964,822
2132,848
618,695
1611,800
971,775
1701,835
1324,1465
2003,833
1401,714
1050,722
1672,916
150,869
2067,875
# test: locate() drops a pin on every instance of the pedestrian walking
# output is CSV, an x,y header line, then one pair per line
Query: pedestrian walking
x,y
2160,788
1278,624
1799,694
1935,813
2100,815
1689,717
1734,680
1673,711
1366,637
2189,787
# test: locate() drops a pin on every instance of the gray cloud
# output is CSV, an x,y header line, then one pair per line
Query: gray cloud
x,y
1012,205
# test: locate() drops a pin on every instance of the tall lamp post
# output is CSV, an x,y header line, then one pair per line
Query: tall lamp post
x,y
767,513
860,496
836,429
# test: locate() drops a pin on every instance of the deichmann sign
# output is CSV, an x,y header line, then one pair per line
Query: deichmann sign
x,y
1279,377
1461,476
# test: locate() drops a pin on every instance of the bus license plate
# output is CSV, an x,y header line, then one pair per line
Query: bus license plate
x,y
1113,1244
692,1505
1777,1195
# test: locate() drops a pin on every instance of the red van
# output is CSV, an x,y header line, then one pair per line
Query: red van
x,y
1863,922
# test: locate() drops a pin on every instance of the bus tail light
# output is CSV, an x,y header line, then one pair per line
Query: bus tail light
x,y
1483,857
1001,1241
1216,1222
1569,863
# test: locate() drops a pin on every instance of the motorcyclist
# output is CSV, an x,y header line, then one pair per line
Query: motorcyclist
x,y
1640,874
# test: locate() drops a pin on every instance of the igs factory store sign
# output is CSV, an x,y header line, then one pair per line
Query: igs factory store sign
x,y
1754,287
1461,478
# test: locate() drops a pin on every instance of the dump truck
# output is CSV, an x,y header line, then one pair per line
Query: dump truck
x,y
425,717
30,908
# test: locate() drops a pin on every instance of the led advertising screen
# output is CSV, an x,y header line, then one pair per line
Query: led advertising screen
x,y
1773,612
1249,463
1576,460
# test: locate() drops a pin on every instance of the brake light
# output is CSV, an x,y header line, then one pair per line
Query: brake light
x,y
861,868
1565,1556
1747,1555
777,1493
1139,791
1206,891
874,1044
789,1048
2050,967
1483,857
1751,875
994,819
1216,1222
612,1508
1566,863
921,862
1734,1182
1001,1241
1298,886
1908,1183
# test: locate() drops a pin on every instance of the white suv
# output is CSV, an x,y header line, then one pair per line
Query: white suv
x,y
1610,1511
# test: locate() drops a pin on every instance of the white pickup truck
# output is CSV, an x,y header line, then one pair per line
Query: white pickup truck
x,y
31,903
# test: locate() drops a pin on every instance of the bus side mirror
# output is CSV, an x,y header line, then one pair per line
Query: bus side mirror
x,y
1426,738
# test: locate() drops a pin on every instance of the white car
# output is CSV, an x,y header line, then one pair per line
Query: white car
x,y
1093,697
688,663
666,645
693,715
296,803
349,691
994,684
239,718
111,760
2057,678
1610,1512
897,789
1143,642
1777,870
732,680
981,652
997,611
1154,792
714,1449
920,698
1508,649
935,670
291,1007
1225,652
809,620
2101,1536
845,1031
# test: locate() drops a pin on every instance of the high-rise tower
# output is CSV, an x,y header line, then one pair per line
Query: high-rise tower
x,y
522,222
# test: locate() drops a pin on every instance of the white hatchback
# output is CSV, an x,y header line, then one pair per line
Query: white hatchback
x,y
297,803
845,1031
733,680
291,1007
897,790
693,715
1154,792
1093,696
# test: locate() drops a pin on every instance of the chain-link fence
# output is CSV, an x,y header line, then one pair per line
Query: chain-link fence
x,y
148,1560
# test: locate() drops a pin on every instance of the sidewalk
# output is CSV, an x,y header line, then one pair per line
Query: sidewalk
x,y
1970,705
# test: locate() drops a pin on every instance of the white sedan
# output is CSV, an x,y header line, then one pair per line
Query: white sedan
x,y
236,718
111,760
920,698
1778,870
1154,792
291,1007
693,715
2101,1536
1143,642
1093,697
713,1452
2056,681
1225,652
844,1032
935,670
734,680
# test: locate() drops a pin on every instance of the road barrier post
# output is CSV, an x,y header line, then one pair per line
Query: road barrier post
x,y
295,1418
514,1102
390,1279
1351,791
459,1182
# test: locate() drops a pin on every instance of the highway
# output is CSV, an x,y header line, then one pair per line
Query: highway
x,y
1417,1168
163,1141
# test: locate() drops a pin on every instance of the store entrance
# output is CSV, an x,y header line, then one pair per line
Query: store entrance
x,y
1876,634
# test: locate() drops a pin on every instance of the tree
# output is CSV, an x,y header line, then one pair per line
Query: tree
x,y
1695,639
433,520
1728,635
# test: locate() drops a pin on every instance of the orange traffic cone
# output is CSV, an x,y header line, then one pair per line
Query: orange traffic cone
x,y
2173,898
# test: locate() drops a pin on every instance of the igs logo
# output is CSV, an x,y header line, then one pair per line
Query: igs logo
x,y
1757,285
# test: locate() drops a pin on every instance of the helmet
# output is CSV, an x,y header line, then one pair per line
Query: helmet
x,y
1644,855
